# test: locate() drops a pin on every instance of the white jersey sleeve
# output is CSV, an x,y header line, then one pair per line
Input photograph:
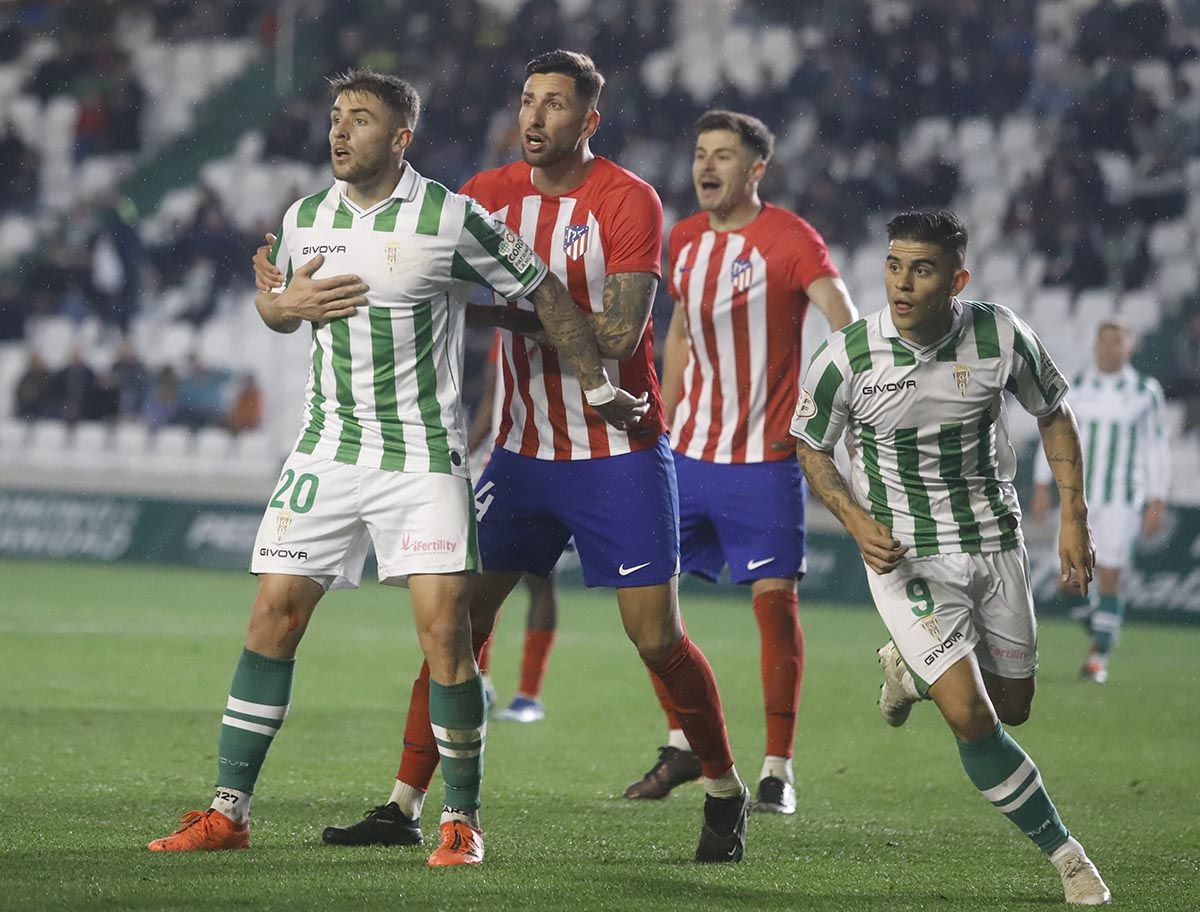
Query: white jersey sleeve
x,y
280,254
1033,378
491,254
823,408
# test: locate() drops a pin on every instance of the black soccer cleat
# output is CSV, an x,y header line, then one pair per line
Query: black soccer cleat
x,y
775,796
674,767
723,835
383,825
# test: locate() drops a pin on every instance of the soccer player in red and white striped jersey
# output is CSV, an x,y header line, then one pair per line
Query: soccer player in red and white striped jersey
x,y
555,472
743,274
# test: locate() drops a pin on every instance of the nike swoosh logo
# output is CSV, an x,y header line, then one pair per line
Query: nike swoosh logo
x,y
625,571
754,565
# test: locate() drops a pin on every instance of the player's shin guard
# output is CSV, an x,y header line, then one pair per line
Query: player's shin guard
x,y
1007,777
777,613
688,680
1106,623
258,703
533,661
458,720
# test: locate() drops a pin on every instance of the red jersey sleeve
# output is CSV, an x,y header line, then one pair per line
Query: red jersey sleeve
x,y
632,229
810,256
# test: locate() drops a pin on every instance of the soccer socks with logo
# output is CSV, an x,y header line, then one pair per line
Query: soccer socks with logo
x,y
1007,777
1106,623
782,644
533,661
692,688
458,720
258,703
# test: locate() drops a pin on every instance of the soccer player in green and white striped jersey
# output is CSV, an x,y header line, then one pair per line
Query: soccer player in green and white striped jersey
x,y
1126,468
382,453
920,385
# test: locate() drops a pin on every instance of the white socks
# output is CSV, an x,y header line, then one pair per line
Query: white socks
x,y
779,767
676,739
411,800
233,804
729,785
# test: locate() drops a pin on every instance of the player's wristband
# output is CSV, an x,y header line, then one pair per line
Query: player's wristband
x,y
601,395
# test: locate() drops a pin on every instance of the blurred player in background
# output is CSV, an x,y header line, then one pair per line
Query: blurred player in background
x,y
1126,463
541,619
934,512
742,275
382,456
556,472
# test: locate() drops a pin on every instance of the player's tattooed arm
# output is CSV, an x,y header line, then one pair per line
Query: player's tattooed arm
x,y
628,300
568,331
1060,441
880,550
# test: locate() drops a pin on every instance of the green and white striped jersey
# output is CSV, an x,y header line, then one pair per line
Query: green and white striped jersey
x,y
933,460
1126,457
384,386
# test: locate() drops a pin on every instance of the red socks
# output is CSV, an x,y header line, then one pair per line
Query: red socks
x,y
777,612
688,680
533,661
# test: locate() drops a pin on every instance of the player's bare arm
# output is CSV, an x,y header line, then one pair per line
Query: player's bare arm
x,y
266,275
569,332
1060,441
675,354
311,300
831,296
628,300
880,550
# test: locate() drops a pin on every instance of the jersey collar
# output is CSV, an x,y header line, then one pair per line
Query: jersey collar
x,y
406,190
887,328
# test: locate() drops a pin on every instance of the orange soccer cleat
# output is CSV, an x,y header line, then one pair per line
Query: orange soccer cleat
x,y
462,844
205,831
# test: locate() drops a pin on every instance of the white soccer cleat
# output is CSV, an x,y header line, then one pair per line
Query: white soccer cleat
x,y
898,692
1082,884
522,709
1095,668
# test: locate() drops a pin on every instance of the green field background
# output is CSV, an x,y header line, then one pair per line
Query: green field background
x,y
113,679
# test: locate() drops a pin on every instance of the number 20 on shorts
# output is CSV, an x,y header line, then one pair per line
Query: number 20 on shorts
x,y
304,491
920,596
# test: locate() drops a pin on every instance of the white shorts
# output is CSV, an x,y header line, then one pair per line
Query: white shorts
x,y
1115,530
324,515
941,608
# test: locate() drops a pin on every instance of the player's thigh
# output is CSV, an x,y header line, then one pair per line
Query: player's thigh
x,y
1115,530
926,606
758,511
518,532
624,514
420,522
699,547
1003,614
311,526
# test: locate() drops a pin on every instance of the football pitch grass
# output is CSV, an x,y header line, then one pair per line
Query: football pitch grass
x,y
114,679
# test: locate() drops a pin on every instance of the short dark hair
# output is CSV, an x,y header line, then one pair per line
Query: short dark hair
x,y
580,67
754,133
930,226
393,91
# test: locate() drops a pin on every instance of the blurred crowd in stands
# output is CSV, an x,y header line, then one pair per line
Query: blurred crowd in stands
x,y
839,82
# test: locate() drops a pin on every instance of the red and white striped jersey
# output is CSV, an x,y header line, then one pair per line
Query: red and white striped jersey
x,y
743,293
610,223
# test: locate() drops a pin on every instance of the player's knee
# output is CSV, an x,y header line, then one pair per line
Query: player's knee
x,y
970,720
276,620
1015,712
656,646
443,638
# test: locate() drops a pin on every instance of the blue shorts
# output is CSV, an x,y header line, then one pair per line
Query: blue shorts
x,y
623,512
749,516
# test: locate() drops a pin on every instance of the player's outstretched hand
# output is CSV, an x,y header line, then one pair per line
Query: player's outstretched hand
x,y
625,411
880,550
321,300
1076,554
266,276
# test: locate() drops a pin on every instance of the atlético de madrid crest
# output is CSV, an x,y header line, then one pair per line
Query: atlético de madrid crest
x,y
575,241
741,273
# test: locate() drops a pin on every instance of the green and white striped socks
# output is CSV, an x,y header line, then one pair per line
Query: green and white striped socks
x,y
1105,623
258,704
459,722
1008,778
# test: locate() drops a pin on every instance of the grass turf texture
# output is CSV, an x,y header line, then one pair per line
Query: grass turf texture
x,y
114,679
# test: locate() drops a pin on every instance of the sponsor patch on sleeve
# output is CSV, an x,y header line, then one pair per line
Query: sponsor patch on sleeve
x,y
807,407
513,249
